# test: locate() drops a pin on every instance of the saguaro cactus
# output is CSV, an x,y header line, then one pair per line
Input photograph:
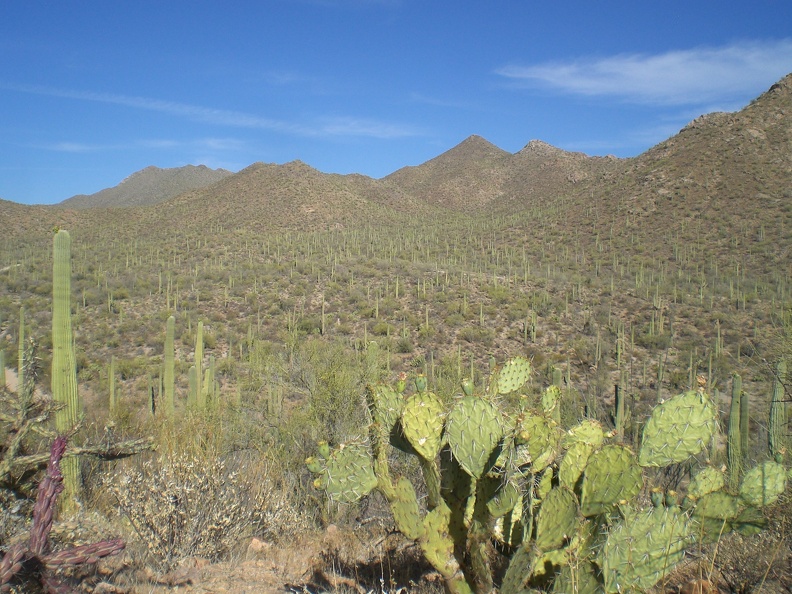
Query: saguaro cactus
x,y
734,444
21,353
64,370
777,432
169,367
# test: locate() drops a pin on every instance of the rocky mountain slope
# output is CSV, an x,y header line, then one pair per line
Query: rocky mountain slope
x,y
150,186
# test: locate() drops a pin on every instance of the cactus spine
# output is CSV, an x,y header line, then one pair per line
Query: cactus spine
x,y
64,370
169,368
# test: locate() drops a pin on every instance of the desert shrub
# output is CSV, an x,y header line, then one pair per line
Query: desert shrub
x,y
184,505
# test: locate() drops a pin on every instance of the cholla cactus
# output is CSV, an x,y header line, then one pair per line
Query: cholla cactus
x,y
22,562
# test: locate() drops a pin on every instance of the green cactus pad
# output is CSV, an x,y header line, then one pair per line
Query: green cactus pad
x,y
643,549
751,521
678,428
587,431
581,579
537,440
387,406
406,513
436,544
544,485
509,527
556,520
706,481
350,473
763,484
612,477
551,400
504,500
422,423
549,561
513,375
519,571
473,431
715,512
574,462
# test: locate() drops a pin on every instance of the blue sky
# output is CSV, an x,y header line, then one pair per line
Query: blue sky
x,y
91,91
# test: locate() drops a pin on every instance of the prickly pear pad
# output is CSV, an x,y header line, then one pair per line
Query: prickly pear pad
x,y
587,431
387,406
763,484
573,463
644,548
557,519
422,422
714,511
350,473
612,476
513,375
473,431
537,440
707,480
678,428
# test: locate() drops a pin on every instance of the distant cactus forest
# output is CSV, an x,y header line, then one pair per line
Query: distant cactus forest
x,y
569,396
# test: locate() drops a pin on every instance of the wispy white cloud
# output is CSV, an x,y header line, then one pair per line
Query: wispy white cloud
x,y
689,76
348,126
198,144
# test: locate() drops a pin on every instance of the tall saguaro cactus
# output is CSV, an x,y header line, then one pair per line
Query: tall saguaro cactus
x,y
734,443
200,398
64,369
168,372
21,353
777,432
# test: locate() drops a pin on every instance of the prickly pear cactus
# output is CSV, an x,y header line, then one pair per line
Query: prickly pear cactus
x,y
574,463
537,440
422,421
513,375
473,431
557,519
612,477
763,484
347,474
706,481
643,548
678,429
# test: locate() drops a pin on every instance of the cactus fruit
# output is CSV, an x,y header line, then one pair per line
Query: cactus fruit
x,y
763,484
557,519
642,549
422,423
473,431
678,429
612,476
513,375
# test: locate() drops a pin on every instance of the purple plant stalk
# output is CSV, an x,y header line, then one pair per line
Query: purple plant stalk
x,y
35,558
